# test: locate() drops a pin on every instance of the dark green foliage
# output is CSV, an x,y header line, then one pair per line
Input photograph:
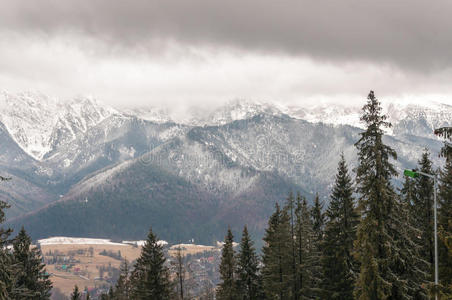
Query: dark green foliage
x,y
445,224
31,278
374,243
318,223
248,279
6,270
445,212
380,240
318,218
76,295
307,254
290,208
422,208
150,278
123,287
338,264
227,288
277,271
409,265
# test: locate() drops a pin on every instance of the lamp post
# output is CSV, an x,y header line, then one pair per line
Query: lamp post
x,y
415,174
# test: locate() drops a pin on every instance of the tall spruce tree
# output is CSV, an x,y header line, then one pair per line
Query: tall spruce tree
x,y
123,287
32,281
318,218
290,208
318,224
338,264
378,236
6,266
414,269
227,288
445,211
277,272
151,276
248,279
444,224
422,208
308,263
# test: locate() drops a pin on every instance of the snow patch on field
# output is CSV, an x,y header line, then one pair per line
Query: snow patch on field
x,y
182,246
61,240
142,242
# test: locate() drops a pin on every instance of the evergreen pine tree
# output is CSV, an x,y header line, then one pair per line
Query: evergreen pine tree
x,y
32,280
318,223
379,238
306,251
6,267
318,218
76,294
227,287
445,212
151,276
422,208
290,209
444,224
447,240
248,281
415,269
338,264
277,271
5,258
123,288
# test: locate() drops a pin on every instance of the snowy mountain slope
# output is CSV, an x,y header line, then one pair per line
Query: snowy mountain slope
x,y
28,190
85,137
239,170
149,191
407,118
39,123
233,155
30,119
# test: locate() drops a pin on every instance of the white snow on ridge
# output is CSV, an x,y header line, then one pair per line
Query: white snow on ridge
x,y
62,240
142,242
40,124
174,247
32,118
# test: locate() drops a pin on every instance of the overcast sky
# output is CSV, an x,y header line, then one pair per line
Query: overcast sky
x,y
139,52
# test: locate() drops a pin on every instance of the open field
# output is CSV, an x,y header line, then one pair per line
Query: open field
x,y
81,264
95,263
189,249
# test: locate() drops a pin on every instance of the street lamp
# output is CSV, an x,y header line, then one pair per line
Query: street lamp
x,y
415,174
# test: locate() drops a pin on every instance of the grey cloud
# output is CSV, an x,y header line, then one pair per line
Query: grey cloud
x,y
413,34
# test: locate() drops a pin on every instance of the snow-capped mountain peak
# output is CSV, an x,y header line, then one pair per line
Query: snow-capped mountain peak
x,y
32,118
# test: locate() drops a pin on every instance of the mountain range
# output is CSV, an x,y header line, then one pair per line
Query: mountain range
x,y
83,168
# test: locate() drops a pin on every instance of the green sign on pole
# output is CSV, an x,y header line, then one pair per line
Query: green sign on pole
x,y
410,173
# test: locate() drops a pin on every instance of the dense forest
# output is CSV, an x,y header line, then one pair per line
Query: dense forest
x,y
372,241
